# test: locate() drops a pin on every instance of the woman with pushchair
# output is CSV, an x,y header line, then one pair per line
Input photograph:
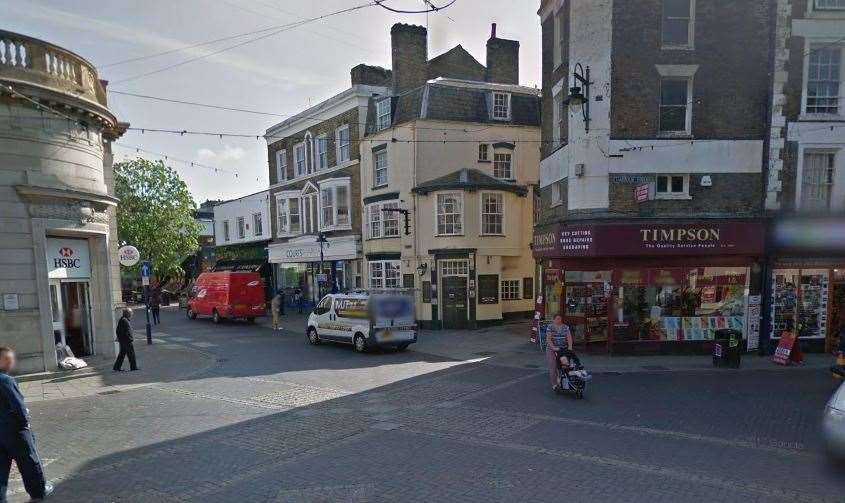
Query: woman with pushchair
x,y
559,354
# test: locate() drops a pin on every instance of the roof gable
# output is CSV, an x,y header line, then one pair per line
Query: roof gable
x,y
470,180
456,63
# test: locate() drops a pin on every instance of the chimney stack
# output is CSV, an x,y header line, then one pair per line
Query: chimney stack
x,y
409,45
502,59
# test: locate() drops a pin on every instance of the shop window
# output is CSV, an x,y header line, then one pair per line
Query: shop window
x,y
510,289
672,187
800,302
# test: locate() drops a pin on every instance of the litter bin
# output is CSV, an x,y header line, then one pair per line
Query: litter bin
x,y
727,348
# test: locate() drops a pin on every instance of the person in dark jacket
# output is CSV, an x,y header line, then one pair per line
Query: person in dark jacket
x,y
16,439
155,306
124,339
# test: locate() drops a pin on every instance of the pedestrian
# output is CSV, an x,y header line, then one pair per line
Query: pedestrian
x,y
558,349
16,439
276,308
155,306
124,339
299,298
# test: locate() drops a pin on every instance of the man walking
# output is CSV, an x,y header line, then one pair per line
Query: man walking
x,y
16,440
155,306
276,307
124,339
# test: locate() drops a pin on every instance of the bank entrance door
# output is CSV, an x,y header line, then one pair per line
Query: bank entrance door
x,y
70,302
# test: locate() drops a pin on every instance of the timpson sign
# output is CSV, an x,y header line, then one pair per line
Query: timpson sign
x,y
618,240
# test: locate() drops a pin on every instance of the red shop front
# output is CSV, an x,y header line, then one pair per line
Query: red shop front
x,y
651,287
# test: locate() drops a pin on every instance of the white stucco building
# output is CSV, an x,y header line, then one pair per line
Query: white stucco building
x,y
59,276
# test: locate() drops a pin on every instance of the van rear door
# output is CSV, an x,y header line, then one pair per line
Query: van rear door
x,y
393,318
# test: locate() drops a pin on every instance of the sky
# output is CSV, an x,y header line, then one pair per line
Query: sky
x,y
281,74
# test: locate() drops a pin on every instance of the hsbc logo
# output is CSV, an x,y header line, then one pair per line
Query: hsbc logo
x,y
66,260
66,252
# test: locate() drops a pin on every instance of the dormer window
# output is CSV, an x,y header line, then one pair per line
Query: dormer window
x,y
501,106
383,114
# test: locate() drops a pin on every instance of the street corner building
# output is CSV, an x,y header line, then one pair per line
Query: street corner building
x,y
651,230
59,274
449,164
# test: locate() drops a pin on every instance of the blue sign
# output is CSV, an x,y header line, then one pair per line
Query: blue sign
x,y
146,269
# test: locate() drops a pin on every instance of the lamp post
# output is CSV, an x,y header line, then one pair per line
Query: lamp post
x,y
576,97
321,239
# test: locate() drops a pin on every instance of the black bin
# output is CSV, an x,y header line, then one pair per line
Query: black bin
x,y
727,348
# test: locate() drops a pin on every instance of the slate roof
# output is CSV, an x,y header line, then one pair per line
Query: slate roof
x,y
470,180
459,101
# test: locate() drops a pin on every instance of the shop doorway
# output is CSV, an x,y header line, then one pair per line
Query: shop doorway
x,y
71,315
837,311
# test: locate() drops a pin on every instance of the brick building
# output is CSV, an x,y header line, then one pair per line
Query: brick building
x,y
649,234
315,189
806,172
454,147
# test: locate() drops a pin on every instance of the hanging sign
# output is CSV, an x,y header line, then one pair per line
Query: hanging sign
x,y
128,255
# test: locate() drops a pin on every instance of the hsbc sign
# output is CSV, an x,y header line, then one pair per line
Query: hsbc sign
x,y
68,258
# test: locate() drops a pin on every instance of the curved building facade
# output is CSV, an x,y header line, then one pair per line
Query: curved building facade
x,y
59,275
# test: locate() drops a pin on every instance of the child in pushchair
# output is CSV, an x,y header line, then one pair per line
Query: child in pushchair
x,y
573,377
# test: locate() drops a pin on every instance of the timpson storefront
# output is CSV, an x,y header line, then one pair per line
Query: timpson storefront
x,y
652,287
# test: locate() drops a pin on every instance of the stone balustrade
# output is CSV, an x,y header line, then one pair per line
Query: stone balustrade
x,y
30,60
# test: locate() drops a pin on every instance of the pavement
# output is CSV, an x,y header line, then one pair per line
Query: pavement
x,y
273,419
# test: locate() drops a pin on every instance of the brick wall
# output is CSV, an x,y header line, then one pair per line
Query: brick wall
x,y
731,86
789,175
502,61
732,195
551,76
328,128
409,44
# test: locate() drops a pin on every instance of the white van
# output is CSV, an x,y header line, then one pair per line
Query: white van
x,y
365,320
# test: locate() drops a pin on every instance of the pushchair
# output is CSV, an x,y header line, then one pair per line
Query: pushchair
x,y
573,378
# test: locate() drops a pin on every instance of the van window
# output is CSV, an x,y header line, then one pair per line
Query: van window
x,y
324,306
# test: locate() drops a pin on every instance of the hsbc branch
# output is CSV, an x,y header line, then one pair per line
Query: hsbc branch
x,y
59,271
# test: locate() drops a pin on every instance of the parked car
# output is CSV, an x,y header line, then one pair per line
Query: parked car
x,y
364,320
228,295
834,425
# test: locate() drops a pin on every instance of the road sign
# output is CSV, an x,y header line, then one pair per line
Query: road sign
x,y
146,272
128,255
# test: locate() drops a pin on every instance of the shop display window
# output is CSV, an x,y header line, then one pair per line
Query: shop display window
x,y
586,298
800,300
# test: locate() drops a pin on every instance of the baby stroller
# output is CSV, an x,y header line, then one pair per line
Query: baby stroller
x,y
573,377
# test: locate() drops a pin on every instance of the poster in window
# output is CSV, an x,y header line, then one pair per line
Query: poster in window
x,y
527,288
488,289
426,292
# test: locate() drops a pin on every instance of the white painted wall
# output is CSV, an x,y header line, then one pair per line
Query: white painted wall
x,y
244,207
699,156
590,41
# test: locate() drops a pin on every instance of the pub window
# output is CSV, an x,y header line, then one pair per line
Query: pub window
x,y
510,289
492,213
527,288
488,288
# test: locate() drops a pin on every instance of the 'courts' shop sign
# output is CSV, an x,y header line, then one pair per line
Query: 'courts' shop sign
x,y
68,258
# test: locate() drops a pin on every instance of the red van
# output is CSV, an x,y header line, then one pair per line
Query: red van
x,y
228,295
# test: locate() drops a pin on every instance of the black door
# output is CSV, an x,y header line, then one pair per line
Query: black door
x,y
454,302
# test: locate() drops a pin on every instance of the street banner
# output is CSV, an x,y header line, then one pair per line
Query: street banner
x,y
784,349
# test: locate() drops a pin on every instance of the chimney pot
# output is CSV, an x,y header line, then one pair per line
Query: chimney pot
x,y
493,31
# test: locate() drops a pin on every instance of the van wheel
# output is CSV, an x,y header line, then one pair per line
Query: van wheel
x,y
251,320
360,343
313,338
191,314
402,347
215,317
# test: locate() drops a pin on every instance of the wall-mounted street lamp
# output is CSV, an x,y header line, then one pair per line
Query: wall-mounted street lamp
x,y
422,269
577,97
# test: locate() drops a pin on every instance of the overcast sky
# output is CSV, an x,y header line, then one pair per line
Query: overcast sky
x,y
283,73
